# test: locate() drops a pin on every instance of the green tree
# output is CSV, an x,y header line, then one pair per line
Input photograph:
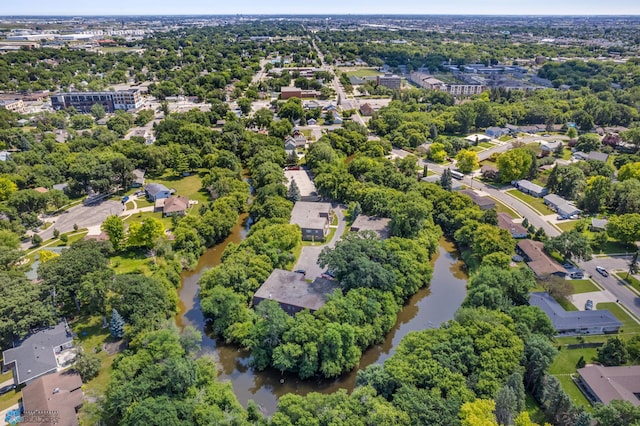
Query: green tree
x,y
116,324
113,226
629,171
514,164
588,142
467,161
625,228
597,194
570,245
445,180
7,187
143,117
614,352
293,193
98,112
572,132
144,234
245,105
437,153
616,413
87,365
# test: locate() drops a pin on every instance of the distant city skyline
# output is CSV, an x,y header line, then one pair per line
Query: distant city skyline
x,y
279,7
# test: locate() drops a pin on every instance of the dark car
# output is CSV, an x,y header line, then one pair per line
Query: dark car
x,y
589,305
6,389
300,271
602,271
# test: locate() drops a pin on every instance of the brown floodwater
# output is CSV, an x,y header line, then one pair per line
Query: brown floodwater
x,y
428,308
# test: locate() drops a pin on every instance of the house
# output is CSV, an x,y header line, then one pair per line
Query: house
x,y
571,323
482,201
477,137
598,156
505,221
304,182
379,225
605,384
58,394
541,264
39,354
299,138
172,206
156,191
598,225
5,156
289,144
138,180
312,122
312,218
550,147
531,188
496,132
561,206
336,118
367,110
61,187
293,293
41,189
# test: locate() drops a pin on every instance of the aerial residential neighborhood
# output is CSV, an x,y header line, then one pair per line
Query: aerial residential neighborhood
x,y
307,219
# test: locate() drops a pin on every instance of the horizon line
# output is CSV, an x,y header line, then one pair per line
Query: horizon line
x,y
107,15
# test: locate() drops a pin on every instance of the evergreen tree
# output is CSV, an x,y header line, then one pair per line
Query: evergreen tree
x,y
433,132
445,180
116,325
294,192
424,171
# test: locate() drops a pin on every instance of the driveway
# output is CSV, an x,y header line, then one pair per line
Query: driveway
x,y
308,259
83,216
580,300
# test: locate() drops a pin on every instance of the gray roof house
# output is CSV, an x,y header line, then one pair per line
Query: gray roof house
x,y
604,384
570,323
563,207
312,218
37,354
156,191
599,156
5,156
138,181
482,201
379,225
293,292
598,224
530,188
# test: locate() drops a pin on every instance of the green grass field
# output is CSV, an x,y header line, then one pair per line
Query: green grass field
x,y
629,325
536,203
485,144
583,286
567,226
622,276
364,72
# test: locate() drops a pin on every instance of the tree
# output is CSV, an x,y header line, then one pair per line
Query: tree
x,y
478,413
144,116
36,240
467,161
46,255
144,234
113,226
629,171
437,153
588,142
625,227
291,110
570,245
116,324
506,406
567,181
263,118
514,164
87,365
293,193
614,352
7,187
616,413
245,105
98,112
407,165
559,151
597,194
633,347
445,180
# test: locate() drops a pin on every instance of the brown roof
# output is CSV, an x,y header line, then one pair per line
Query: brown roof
x,y
541,264
291,288
175,204
609,383
57,392
505,221
379,225
481,201
41,190
103,236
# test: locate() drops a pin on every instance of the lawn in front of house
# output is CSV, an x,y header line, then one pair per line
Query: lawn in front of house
x,y
485,144
629,279
501,208
583,286
629,325
536,203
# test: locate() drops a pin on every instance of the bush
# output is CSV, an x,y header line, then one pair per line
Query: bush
x,y
56,233
36,240
87,365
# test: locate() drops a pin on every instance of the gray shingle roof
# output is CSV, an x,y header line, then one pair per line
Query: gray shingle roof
x,y
153,188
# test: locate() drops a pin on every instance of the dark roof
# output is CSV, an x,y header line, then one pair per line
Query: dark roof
x,y
58,392
541,264
35,355
306,214
599,223
139,176
154,188
379,225
505,221
566,321
291,288
479,200
600,156
609,383
175,204
530,186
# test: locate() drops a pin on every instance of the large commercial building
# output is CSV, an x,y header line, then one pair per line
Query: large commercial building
x,y
389,80
427,81
111,101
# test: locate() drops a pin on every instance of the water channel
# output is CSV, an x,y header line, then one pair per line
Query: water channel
x,y
428,308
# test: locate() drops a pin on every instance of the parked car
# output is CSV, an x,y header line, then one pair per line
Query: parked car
x,y
6,389
577,275
589,305
602,271
300,271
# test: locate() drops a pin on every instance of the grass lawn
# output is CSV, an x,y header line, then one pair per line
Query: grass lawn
x,y
9,399
189,186
505,138
132,262
297,250
622,276
143,202
139,217
567,226
568,306
566,153
501,208
574,392
629,324
486,144
476,149
91,337
536,203
583,286
565,364
535,412
364,72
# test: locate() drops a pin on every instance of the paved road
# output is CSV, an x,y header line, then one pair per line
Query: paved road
x,y
308,259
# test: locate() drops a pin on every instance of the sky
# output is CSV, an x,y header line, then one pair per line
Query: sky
x,y
214,7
